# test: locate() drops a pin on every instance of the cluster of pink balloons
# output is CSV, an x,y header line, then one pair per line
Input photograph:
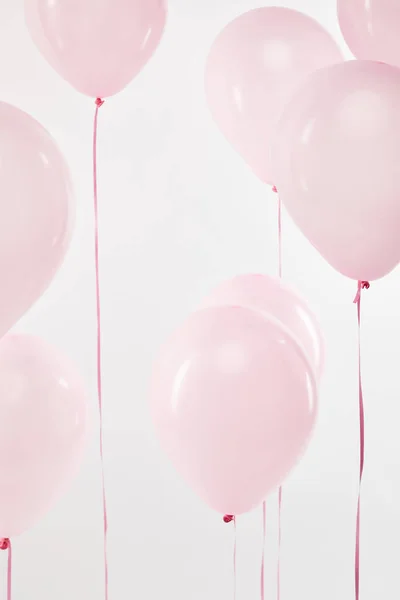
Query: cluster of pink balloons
x,y
325,132
42,400
254,66
98,47
235,391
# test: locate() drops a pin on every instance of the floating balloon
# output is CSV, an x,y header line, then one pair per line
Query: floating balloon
x,y
36,212
371,29
234,403
254,66
97,46
42,429
272,297
337,164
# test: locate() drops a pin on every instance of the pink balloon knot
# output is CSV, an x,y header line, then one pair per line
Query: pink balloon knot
x,y
228,518
362,285
4,544
99,102
274,189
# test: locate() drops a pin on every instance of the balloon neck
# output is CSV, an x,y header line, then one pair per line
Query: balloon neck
x,y
99,102
4,543
274,189
229,518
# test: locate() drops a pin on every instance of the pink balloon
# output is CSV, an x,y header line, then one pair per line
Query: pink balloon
x,y
234,403
254,66
272,297
36,212
42,429
97,46
371,28
337,163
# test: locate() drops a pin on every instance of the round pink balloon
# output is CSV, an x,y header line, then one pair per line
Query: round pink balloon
x,y
98,46
337,163
42,429
271,297
371,29
234,403
254,66
36,212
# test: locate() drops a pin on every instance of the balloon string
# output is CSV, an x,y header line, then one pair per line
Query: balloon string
x,y
278,570
99,103
230,519
357,300
280,237
9,571
5,544
234,558
264,535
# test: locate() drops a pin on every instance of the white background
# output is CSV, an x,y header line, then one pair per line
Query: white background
x,y
179,213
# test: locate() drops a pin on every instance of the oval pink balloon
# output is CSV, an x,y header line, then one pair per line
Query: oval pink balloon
x,y
97,46
36,212
42,429
272,297
234,403
337,163
254,66
371,29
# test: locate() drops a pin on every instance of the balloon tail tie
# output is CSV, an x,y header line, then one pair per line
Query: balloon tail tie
x,y
362,285
228,518
5,544
99,102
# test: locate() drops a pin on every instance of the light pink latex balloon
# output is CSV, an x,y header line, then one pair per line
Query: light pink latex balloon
x,y
234,402
42,429
254,66
98,46
36,212
338,170
271,297
371,29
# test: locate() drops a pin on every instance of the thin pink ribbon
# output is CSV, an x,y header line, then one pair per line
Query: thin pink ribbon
x,y
5,544
278,568
234,558
230,519
362,285
264,535
99,102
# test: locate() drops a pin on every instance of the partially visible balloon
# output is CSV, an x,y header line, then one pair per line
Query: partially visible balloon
x,y
234,402
338,170
97,46
371,29
272,297
254,66
36,212
42,429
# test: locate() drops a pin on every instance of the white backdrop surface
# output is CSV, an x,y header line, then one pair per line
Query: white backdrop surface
x,y
179,212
